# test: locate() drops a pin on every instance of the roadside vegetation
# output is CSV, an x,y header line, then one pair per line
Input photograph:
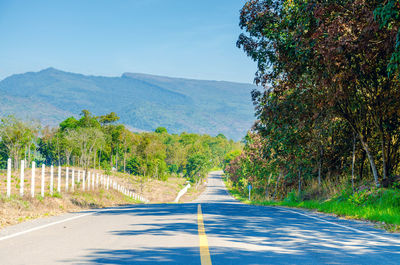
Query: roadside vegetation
x,y
156,165
327,134
100,142
16,209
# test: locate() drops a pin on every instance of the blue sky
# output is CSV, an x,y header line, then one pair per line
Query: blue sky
x,y
179,38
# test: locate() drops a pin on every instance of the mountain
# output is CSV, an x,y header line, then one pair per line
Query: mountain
x,y
142,101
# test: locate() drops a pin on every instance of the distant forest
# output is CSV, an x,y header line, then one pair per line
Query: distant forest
x,y
101,142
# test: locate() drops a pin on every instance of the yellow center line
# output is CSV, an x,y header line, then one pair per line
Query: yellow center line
x,y
203,242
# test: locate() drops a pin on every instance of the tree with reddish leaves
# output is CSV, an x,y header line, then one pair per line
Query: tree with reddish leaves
x,y
324,64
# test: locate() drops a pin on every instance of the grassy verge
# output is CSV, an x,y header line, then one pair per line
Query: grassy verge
x,y
381,206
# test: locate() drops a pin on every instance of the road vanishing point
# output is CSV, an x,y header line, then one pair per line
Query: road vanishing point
x,y
214,229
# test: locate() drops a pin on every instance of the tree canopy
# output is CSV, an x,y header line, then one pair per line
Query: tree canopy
x,y
329,77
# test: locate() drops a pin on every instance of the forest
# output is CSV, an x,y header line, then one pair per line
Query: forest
x,y
100,142
328,102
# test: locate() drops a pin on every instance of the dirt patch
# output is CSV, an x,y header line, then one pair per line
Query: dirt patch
x,y
163,191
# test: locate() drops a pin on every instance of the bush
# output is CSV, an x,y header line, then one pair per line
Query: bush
x,y
292,197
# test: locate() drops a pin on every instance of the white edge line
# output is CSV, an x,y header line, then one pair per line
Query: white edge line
x,y
44,226
347,227
57,222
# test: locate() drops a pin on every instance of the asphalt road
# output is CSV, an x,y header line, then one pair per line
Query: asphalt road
x,y
233,233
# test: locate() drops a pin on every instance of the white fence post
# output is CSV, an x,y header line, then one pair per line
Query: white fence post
x,y
42,186
83,180
59,179
21,190
108,182
88,180
9,177
79,176
51,179
66,179
73,180
93,181
97,180
33,179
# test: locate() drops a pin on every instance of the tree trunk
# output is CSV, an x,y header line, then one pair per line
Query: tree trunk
x,y
320,167
29,154
124,161
99,159
116,162
371,160
111,158
267,185
384,164
16,159
361,172
353,162
94,159
276,186
26,147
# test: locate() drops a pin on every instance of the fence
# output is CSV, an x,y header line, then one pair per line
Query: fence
x,y
74,179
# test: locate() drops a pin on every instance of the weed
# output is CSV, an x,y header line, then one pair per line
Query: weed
x,y
57,195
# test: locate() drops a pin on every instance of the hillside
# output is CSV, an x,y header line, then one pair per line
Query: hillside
x,y
142,101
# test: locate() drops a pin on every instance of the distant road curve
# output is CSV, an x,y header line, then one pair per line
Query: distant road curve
x,y
214,229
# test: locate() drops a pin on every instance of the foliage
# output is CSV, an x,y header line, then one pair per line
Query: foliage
x,y
100,142
329,96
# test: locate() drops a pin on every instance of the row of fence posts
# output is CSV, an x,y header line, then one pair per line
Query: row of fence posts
x,y
92,181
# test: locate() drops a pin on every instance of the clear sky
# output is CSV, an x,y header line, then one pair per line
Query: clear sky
x,y
179,38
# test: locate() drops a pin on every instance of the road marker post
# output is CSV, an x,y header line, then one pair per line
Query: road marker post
x,y
9,177
73,180
22,180
83,180
88,180
42,184
59,180
66,179
33,179
51,179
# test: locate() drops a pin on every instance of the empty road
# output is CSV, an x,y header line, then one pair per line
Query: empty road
x,y
214,229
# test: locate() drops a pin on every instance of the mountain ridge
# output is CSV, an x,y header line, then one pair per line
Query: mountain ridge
x,y
143,101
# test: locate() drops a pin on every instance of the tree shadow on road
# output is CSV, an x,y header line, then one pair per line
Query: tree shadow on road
x,y
245,234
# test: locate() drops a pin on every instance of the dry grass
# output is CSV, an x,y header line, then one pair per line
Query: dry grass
x,y
17,209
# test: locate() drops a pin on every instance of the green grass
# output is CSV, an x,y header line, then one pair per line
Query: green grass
x,y
378,205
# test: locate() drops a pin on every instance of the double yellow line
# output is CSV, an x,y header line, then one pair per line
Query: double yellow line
x,y
203,242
